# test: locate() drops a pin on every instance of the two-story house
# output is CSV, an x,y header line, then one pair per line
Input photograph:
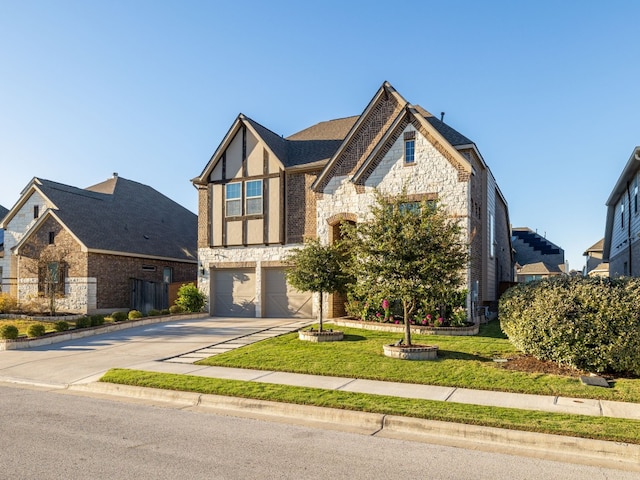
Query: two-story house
x,y
113,246
261,194
622,232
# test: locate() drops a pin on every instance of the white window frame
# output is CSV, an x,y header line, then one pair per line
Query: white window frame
x,y
251,206
233,204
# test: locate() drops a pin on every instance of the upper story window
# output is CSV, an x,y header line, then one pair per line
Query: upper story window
x,y
233,199
253,197
635,195
52,238
622,214
36,211
492,235
409,147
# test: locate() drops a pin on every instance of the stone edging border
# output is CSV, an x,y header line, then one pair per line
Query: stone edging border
x,y
417,329
51,338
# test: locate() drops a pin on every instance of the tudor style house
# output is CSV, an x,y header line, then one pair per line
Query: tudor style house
x,y
622,231
112,246
260,195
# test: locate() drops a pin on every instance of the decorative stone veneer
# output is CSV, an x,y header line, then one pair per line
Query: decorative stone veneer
x,y
431,173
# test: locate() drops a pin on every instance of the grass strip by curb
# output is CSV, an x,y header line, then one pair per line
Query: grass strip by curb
x,y
599,428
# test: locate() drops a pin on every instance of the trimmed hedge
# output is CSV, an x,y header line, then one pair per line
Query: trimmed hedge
x,y
61,326
9,332
35,330
134,315
587,323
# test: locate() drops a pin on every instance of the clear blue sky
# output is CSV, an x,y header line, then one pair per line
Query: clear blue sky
x,y
548,90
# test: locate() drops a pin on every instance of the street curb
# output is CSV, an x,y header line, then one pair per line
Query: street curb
x,y
618,455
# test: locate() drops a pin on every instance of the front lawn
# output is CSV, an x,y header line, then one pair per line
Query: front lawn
x,y
464,362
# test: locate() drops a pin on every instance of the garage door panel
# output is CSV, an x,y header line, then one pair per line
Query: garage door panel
x,y
281,299
234,293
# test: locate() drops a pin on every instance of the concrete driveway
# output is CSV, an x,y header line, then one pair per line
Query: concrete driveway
x,y
87,359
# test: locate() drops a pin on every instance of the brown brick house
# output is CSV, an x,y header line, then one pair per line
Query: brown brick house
x,y
115,245
261,194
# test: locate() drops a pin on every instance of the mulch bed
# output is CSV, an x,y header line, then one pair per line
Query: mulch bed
x,y
529,364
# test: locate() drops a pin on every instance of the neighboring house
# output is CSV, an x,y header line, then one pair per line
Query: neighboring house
x,y
538,271
114,245
594,265
261,195
622,232
3,212
531,247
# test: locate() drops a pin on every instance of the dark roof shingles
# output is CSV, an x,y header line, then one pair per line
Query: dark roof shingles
x,y
135,219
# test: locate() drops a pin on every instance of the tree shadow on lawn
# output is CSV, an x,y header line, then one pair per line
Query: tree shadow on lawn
x,y
492,330
353,338
453,355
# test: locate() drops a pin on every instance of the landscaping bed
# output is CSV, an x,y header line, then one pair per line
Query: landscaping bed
x,y
469,329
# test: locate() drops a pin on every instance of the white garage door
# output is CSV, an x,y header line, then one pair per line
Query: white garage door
x,y
234,292
281,300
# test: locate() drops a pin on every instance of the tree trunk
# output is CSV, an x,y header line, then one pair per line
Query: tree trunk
x,y
321,301
407,324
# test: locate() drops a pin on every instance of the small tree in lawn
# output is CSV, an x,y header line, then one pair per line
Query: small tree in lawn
x,y
48,263
407,251
318,268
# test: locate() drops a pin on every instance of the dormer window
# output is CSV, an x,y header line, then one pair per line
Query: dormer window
x,y
409,147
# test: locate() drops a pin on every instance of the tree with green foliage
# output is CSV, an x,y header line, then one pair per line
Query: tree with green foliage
x,y
318,269
408,251
190,298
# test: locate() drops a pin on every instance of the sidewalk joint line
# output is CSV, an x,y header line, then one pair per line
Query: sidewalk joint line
x,y
452,392
348,383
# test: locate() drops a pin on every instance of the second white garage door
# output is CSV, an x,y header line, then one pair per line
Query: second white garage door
x,y
281,299
234,292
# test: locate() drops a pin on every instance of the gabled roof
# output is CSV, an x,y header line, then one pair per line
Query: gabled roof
x,y
539,268
596,247
323,141
124,217
444,137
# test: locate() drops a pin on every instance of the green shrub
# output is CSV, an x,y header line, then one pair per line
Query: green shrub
x,y
190,298
174,309
591,324
164,311
134,314
96,320
9,332
83,322
119,316
61,326
154,313
35,330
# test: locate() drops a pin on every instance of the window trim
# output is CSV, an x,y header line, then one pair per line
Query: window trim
x,y
409,151
247,197
228,200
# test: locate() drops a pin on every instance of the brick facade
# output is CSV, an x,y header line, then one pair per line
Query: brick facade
x,y
300,207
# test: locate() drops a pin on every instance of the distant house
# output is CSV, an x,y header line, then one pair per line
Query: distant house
x,y
622,232
537,271
535,255
261,194
114,245
594,265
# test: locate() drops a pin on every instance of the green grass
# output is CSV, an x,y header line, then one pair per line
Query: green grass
x,y
464,362
602,428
